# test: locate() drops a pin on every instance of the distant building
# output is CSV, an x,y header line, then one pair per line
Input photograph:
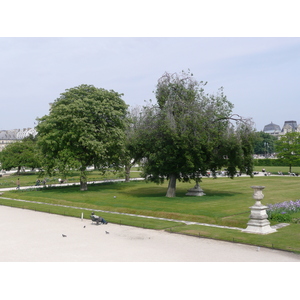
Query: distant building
x,y
272,129
289,126
11,136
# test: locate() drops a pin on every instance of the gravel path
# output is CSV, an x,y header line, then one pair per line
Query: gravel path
x,y
30,236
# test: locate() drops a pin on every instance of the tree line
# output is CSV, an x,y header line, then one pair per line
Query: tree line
x,y
286,149
181,136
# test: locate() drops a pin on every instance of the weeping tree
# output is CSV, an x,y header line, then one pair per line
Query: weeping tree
x,y
85,127
132,154
188,132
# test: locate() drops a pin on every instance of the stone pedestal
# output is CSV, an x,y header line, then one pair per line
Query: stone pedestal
x,y
195,191
258,222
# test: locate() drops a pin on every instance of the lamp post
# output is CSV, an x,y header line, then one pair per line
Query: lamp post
x,y
266,148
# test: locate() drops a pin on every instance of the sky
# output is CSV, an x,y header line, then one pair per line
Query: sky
x,y
259,74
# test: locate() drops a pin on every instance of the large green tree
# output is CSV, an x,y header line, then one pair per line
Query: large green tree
x,y
288,149
20,154
85,127
189,132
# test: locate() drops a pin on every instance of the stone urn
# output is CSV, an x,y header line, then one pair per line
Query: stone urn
x,y
258,222
195,191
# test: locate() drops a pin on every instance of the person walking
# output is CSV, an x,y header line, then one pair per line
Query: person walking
x,y
18,184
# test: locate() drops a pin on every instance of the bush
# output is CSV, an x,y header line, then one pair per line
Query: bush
x,y
282,217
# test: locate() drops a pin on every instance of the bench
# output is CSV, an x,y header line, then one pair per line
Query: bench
x,y
98,220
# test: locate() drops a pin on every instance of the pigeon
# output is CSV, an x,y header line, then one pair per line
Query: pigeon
x,y
84,226
63,235
106,232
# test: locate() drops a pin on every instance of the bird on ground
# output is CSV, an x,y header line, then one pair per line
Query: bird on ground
x,y
106,232
84,226
63,235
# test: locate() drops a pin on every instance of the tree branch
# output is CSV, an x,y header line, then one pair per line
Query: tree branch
x,y
236,118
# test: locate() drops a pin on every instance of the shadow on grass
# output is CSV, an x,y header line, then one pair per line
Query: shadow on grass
x,y
136,190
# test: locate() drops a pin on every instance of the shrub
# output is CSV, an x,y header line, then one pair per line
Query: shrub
x,y
282,217
272,162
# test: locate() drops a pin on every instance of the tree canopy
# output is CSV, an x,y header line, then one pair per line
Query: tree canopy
x,y
85,127
189,132
288,149
20,154
264,143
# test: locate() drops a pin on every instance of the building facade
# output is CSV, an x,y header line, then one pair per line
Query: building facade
x,y
288,126
11,136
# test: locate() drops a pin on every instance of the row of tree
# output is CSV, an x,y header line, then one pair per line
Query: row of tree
x,y
179,138
264,143
286,148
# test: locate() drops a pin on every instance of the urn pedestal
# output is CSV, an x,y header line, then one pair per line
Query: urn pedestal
x,y
258,222
195,191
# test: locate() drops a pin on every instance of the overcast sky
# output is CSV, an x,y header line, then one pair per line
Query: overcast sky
x,y
260,76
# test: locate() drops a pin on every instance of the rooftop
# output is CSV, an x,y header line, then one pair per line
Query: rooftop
x,y
272,128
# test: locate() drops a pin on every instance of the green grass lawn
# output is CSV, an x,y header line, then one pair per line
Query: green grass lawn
x,y
30,178
226,203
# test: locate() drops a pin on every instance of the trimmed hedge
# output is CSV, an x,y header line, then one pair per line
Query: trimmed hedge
x,y
271,162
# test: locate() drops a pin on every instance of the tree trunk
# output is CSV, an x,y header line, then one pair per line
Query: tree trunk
x,y
127,172
171,192
83,180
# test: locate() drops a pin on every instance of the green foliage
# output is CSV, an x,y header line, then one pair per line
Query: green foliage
x,y
85,127
189,132
281,217
131,154
264,143
288,149
19,154
272,162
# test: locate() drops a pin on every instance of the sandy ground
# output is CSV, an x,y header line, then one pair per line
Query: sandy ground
x,y
29,236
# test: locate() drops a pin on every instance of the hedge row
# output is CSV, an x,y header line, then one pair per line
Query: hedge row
x,y
271,162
